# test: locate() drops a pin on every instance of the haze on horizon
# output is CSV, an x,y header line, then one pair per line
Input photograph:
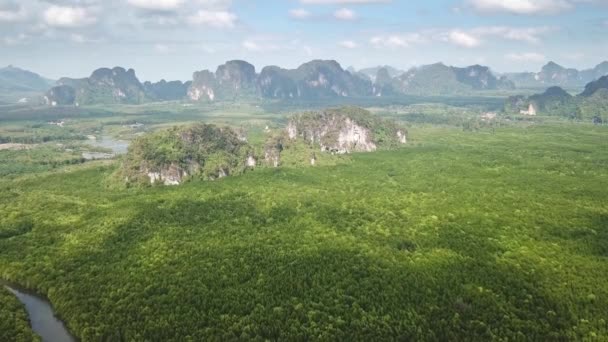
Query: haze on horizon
x,y
172,38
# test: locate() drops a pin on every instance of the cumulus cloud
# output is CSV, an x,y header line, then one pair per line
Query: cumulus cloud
x,y
156,5
468,38
12,12
525,34
215,19
463,39
251,45
299,13
526,7
348,44
345,14
68,17
162,49
526,57
396,41
82,39
15,40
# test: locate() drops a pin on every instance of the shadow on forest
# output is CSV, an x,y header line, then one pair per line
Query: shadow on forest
x,y
202,260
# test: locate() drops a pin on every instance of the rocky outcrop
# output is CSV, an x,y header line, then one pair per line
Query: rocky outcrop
x,y
345,130
444,80
203,87
62,95
171,156
231,80
383,85
313,80
553,74
236,78
105,86
166,91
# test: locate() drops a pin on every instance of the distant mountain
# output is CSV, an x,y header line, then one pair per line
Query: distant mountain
x,y
594,101
593,87
383,85
113,86
553,74
104,86
590,104
371,73
313,80
231,80
441,79
166,91
14,79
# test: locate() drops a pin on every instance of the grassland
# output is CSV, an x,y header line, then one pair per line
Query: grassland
x,y
486,235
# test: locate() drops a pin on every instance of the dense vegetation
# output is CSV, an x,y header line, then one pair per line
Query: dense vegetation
x,y
14,324
460,236
201,150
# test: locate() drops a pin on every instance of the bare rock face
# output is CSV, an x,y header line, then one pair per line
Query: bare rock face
x,y
312,80
62,95
272,151
343,131
236,78
171,156
203,87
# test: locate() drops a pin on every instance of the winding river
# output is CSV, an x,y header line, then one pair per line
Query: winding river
x,y
42,318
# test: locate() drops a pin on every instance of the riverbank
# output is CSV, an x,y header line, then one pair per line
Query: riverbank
x,y
14,322
39,316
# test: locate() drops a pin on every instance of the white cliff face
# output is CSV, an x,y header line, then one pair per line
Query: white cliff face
x,y
355,138
272,158
202,93
171,175
402,137
292,131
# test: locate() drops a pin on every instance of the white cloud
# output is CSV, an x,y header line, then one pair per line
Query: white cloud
x,y
342,2
12,14
527,7
526,57
15,40
82,39
215,19
525,34
299,13
396,41
65,16
251,46
463,39
345,14
162,48
157,5
348,44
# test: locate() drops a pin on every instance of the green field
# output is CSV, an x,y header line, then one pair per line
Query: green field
x,y
496,234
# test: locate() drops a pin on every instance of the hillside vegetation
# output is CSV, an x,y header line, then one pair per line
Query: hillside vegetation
x,y
458,237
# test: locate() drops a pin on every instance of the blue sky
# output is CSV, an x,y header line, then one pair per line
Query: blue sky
x,y
172,38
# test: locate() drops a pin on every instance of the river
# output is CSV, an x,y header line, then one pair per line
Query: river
x,y
117,146
42,317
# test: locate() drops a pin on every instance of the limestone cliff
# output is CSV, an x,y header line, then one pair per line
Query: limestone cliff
x,y
198,151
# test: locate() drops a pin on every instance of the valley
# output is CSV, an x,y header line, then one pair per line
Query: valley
x,y
472,229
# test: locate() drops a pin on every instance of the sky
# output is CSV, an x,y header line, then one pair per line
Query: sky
x,y
170,39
